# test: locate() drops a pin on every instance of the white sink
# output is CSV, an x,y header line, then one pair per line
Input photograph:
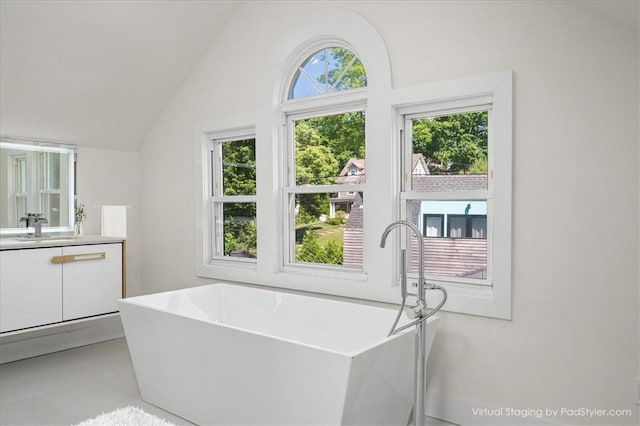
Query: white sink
x,y
47,238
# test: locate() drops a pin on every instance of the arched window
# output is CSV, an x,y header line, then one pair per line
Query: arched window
x,y
325,143
331,69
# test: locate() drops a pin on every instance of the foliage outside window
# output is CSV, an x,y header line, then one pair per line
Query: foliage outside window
x,y
234,198
328,70
325,193
323,147
452,197
293,133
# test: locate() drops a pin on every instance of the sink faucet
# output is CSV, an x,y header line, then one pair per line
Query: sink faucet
x,y
36,220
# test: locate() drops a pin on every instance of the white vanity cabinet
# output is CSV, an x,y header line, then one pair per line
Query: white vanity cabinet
x,y
91,280
45,285
30,288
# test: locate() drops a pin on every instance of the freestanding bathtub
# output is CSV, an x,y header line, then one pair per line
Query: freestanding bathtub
x,y
223,354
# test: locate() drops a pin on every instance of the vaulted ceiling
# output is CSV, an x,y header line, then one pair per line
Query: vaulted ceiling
x,y
99,73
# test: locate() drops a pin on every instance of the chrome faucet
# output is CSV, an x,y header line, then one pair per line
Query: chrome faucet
x,y
420,315
420,308
36,220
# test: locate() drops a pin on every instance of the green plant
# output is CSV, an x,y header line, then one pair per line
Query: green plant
x,y
81,215
311,250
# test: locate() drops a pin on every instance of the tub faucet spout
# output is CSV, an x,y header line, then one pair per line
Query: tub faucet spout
x,y
420,314
403,281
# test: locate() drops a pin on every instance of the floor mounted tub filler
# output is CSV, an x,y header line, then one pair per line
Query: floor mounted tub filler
x,y
223,354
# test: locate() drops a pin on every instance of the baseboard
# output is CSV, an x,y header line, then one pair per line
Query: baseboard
x,y
471,413
39,341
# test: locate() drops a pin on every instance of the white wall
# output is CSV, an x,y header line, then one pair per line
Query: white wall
x,y
573,340
107,177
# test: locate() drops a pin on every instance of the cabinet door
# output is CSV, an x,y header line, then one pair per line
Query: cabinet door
x,y
91,283
30,288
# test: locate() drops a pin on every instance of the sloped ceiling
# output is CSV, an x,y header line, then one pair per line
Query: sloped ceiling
x,y
98,73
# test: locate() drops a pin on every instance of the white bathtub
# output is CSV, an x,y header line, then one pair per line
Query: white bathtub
x,y
223,354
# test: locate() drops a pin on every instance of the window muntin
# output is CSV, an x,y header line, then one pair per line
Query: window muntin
x,y
325,202
450,199
332,69
233,198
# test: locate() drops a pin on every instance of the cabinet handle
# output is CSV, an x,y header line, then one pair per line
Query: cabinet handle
x,y
77,257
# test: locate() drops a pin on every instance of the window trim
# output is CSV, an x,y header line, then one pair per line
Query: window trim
x,y
210,137
379,281
468,95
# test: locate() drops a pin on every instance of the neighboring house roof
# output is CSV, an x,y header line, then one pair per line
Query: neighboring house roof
x,y
437,183
350,179
359,163
418,165
359,177
418,168
356,215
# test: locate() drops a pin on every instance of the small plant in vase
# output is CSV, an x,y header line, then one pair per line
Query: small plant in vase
x,y
81,215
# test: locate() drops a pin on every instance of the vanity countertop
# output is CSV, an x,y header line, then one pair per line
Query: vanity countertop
x,y
18,242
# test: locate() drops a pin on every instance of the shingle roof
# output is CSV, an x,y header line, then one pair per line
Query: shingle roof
x,y
436,183
358,162
356,215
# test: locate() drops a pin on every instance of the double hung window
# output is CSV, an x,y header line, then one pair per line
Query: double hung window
x,y
233,197
456,187
451,200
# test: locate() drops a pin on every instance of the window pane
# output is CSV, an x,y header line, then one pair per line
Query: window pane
x,y
21,209
20,175
326,71
462,252
54,170
239,230
239,167
433,225
50,207
450,153
335,237
330,149
49,170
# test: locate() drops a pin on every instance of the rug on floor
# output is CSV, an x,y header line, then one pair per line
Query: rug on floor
x,y
128,416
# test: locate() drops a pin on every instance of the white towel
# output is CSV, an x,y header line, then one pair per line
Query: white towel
x,y
114,221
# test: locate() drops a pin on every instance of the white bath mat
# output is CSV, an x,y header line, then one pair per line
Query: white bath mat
x,y
128,416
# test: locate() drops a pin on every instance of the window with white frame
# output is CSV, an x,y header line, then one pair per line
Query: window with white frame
x,y
455,146
325,143
233,197
464,199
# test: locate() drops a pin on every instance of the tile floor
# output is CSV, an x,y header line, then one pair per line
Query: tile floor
x,y
67,387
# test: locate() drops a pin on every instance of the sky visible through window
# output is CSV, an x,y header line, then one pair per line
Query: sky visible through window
x,y
328,70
